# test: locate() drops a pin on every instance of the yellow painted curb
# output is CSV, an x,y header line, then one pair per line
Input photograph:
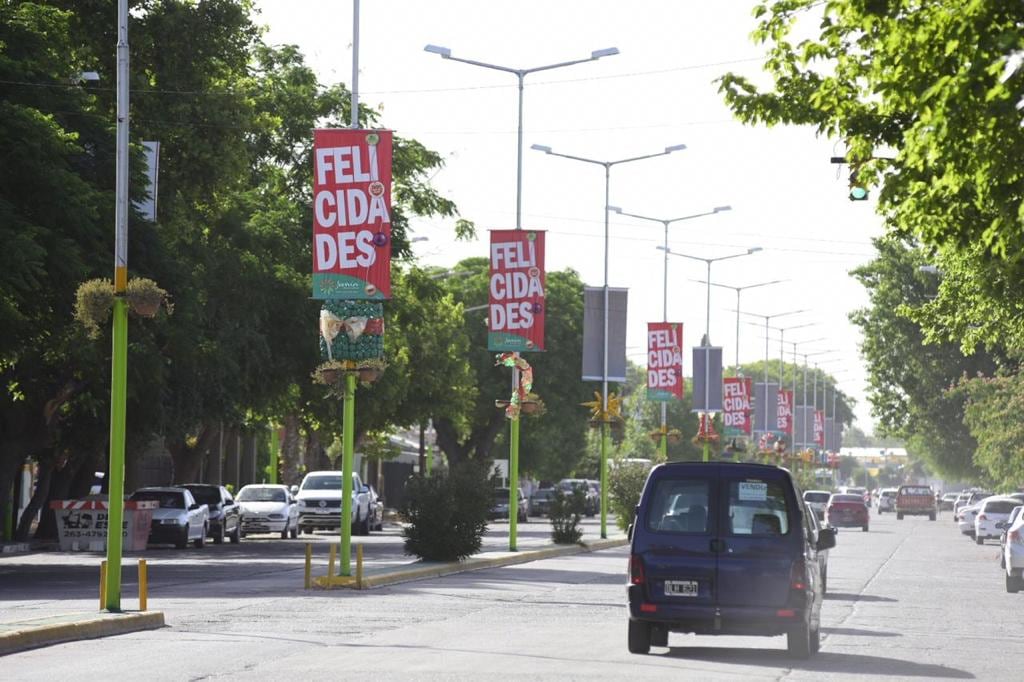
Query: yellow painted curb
x,y
33,636
472,564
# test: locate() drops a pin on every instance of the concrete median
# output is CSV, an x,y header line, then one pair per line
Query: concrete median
x,y
30,634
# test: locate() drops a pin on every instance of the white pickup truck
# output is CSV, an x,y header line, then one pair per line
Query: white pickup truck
x,y
319,502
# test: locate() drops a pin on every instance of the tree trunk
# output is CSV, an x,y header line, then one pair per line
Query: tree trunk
x,y
187,460
41,494
477,447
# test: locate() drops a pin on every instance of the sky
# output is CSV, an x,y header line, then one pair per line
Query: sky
x,y
786,196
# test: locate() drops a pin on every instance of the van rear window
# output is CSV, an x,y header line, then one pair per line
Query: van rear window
x,y
678,506
758,507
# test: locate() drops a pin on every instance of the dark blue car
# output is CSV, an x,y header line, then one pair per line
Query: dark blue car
x,y
724,549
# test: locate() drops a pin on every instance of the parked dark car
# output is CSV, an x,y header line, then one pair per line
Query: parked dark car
x,y
540,501
723,548
499,510
225,514
591,497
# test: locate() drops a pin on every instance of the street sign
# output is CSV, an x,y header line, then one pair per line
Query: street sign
x,y
736,405
665,361
516,304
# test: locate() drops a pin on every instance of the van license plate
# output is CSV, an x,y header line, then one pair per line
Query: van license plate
x,y
681,588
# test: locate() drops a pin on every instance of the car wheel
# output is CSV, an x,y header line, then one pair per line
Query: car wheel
x,y
218,537
824,582
295,531
659,636
284,531
899,517
798,641
978,540
864,528
182,542
816,640
236,534
1013,583
931,517
201,540
639,639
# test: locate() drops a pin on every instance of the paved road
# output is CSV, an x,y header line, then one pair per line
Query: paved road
x,y
909,600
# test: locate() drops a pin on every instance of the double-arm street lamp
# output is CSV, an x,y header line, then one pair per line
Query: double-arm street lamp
x,y
446,53
738,291
767,319
707,321
607,165
521,74
664,291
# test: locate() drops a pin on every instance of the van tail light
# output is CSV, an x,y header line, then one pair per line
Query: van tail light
x,y
636,570
1015,536
798,575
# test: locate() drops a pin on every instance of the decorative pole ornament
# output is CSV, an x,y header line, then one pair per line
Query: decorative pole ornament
x,y
523,399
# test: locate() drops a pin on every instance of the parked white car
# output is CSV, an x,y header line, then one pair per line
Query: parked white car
x,y
1013,555
817,500
965,519
992,512
268,509
1014,515
887,500
319,503
178,520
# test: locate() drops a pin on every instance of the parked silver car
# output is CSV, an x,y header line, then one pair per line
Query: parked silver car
x,y
178,520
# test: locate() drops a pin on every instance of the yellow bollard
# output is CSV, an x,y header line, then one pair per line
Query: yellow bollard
x,y
103,584
330,567
359,566
143,585
309,565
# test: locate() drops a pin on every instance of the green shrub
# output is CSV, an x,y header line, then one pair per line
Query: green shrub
x,y
447,514
626,485
566,513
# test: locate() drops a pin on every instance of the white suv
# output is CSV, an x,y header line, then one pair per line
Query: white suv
x,y
319,502
887,500
992,512
1013,555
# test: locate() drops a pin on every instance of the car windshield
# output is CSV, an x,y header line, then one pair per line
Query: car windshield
x,y
847,498
758,507
679,506
817,497
916,490
168,499
205,494
855,491
331,482
570,485
543,494
888,493
1000,506
261,495
501,495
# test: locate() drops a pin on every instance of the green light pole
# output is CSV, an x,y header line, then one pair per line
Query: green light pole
x,y
119,359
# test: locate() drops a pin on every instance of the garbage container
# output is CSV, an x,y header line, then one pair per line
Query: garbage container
x,y
82,524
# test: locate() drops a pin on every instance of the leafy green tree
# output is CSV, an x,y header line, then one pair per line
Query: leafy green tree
x,y
992,411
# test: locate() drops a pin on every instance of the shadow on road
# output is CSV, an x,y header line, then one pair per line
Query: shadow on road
x,y
823,662
849,596
858,632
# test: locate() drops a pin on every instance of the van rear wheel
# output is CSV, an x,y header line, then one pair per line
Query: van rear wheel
x,y
639,639
798,641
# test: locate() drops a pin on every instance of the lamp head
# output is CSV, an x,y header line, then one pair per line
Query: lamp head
x,y
606,52
541,148
721,209
89,76
437,49
675,148
754,249
615,209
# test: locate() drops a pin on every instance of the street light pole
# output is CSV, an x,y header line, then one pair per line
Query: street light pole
x,y
663,443
445,53
707,328
739,290
767,319
607,165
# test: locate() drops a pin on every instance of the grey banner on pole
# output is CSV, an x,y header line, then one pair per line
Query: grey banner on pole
x,y
593,334
759,403
830,434
713,354
803,426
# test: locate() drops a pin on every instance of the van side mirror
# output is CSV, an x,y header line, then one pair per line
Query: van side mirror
x,y
294,490
364,489
826,539
629,532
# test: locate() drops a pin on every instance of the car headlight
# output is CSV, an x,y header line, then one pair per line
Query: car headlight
x,y
169,522
301,503
275,517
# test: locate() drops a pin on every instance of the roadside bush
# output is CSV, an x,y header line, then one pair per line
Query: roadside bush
x,y
566,514
626,483
447,514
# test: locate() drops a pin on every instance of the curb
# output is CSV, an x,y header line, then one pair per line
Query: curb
x,y
74,627
438,570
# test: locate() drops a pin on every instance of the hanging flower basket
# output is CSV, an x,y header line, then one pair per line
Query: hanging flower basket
x,y
94,299
674,437
368,375
145,297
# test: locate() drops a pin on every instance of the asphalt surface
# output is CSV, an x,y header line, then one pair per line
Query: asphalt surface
x,y
910,599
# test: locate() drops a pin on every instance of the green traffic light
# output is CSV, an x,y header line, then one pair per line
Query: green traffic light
x,y
858,193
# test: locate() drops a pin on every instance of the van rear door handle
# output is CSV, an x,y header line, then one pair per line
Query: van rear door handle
x,y
717,545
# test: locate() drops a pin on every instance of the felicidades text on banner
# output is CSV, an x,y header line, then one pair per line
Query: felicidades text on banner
x,y
664,361
819,427
784,413
351,214
515,318
736,405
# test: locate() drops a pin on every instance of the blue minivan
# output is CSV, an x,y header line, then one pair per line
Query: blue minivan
x,y
724,548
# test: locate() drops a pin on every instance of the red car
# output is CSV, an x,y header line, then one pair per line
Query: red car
x,y
845,510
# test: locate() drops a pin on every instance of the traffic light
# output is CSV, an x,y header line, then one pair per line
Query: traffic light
x,y
858,191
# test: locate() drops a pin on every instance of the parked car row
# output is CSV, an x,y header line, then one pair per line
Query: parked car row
x,y
983,516
195,512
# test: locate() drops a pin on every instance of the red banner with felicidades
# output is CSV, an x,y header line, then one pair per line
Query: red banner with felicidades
x,y
819,427
784,413
516,305
665,361
736,392
351,214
